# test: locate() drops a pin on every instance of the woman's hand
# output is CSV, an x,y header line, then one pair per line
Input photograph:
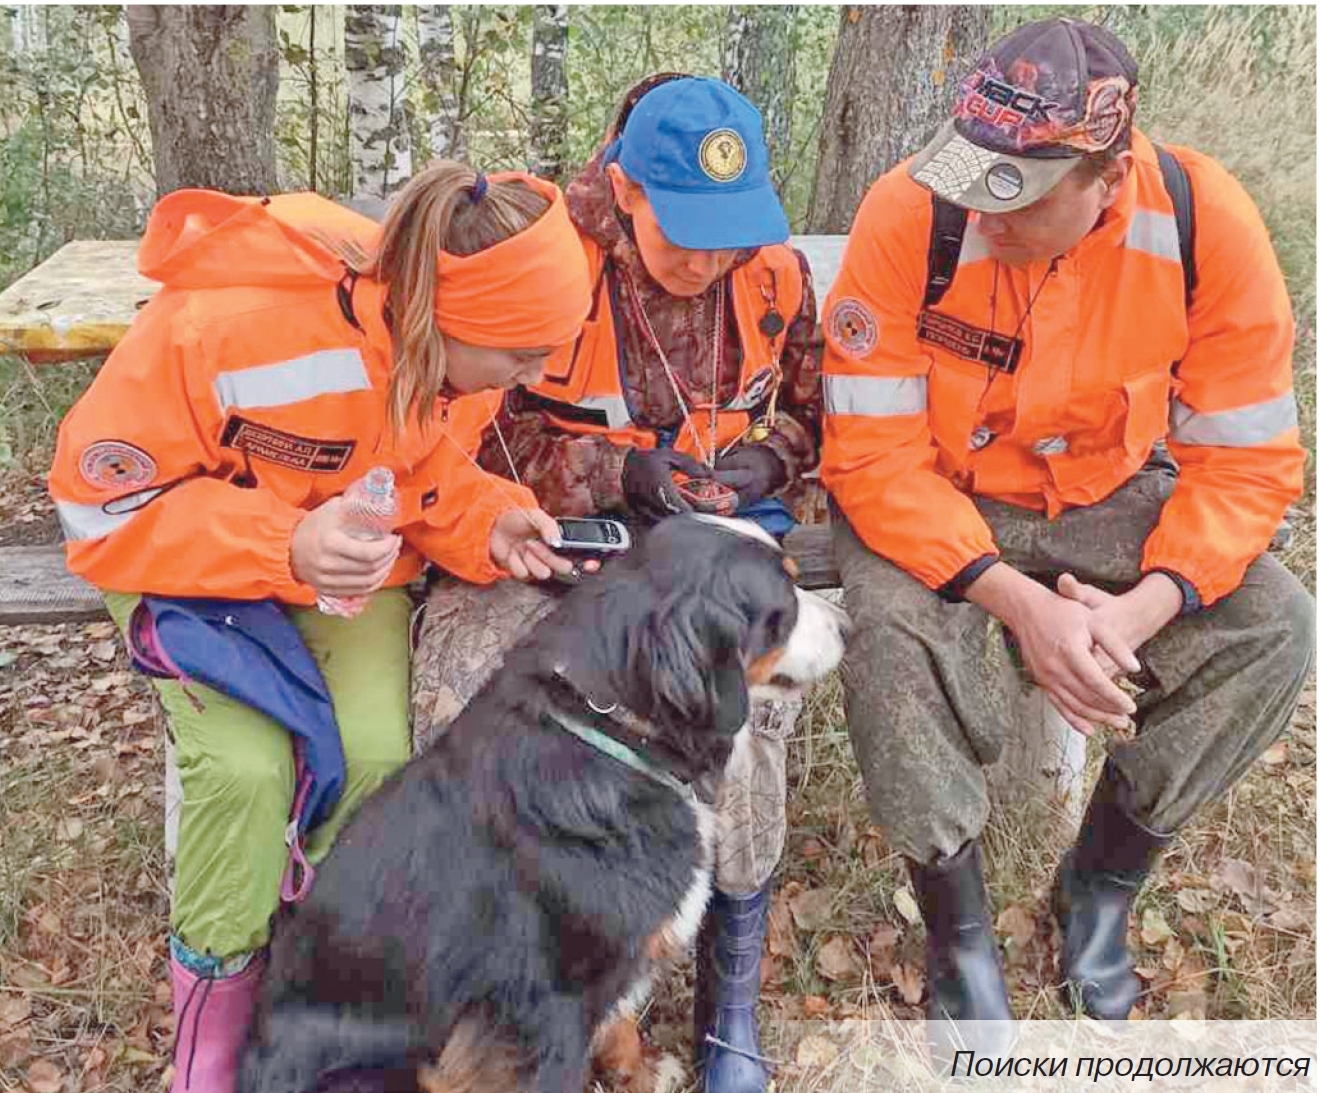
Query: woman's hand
x,y
521,542
323,555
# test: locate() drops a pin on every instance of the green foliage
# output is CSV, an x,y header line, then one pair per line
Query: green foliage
x,y
73,162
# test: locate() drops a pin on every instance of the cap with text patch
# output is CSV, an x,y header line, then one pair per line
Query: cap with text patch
x,y
696,147
1042,98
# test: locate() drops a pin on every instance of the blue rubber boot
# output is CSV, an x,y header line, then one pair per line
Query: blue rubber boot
x,y
727,1042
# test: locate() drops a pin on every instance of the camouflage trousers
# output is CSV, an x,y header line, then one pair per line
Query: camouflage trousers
x,y
467,629
928,691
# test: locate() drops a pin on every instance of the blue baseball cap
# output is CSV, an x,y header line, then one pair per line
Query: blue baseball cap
x,y
696,148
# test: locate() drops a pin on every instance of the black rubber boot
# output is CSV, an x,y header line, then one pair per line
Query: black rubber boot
x,y
967,1006
1097,882
728,985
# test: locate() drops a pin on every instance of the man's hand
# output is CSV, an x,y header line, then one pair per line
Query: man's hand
x,y
1060,639
1136,616
648,481
323,555
521,542
754,471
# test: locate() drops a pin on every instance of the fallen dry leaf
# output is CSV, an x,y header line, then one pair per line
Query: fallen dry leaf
x,y
1197,900
44,1076
1154,929
813,1005
906,904
1173,954
1018,923
837,962
1244,881
816,1051
884,936
1275,754
782,941
811,909
14,1009
909,981
15,1048
812,849
1292,919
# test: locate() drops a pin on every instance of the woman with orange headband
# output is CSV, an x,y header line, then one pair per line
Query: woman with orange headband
x,y
295,345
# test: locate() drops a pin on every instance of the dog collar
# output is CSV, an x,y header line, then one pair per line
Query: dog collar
x,y
616,749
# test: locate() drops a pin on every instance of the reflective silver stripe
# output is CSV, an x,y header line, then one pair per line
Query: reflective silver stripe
x,y
875,396
1155,233
614,408
325,372
82,522
1051,445
1239,428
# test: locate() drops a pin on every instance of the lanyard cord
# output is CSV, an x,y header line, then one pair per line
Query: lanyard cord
x,y
1017,331
717,359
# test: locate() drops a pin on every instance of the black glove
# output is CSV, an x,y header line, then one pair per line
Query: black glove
x,y
648,481
754,471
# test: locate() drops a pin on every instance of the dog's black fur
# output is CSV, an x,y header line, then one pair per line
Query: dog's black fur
x,y
512,877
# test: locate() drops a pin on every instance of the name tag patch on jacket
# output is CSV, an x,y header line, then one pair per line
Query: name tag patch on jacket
x,y
287,449
997,351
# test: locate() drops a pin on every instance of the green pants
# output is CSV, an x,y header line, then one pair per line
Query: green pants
x,y
236,770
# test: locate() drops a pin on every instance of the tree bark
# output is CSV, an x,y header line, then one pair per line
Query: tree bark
x,y
439,72
549,128
760,54
890,87
374,57
210,74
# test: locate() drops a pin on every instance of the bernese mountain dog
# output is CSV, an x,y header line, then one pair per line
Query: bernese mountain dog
x,y
489,919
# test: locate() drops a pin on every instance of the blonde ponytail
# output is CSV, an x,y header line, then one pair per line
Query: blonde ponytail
x,y
447,207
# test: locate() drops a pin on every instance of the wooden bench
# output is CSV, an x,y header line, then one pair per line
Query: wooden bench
x,y
35,586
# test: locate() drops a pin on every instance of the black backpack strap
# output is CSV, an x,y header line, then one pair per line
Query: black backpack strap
x,y
1179,187
947,225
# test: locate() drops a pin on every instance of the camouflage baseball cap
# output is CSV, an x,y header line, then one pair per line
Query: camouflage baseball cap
x,y
1042,97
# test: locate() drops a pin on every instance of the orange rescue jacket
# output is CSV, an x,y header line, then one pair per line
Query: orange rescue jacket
x,y
582,389
250,390
1058,407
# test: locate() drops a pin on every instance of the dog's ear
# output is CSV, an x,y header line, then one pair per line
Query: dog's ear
x,y
730,704
693,663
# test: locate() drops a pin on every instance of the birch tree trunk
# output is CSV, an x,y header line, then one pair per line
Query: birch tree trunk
x,y
549,129
211,74
374,57
760,53
891,84
439,73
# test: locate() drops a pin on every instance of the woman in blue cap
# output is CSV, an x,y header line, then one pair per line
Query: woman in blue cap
x,y
700,360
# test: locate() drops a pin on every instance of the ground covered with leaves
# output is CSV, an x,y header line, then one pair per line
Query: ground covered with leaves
x,y
1226,928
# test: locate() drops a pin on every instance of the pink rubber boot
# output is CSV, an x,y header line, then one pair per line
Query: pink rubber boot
x,y
211,1018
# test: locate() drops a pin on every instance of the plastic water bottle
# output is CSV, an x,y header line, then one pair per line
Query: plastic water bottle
x,y
371,505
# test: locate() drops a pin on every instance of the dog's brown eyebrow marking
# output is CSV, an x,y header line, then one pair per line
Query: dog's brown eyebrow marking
x,y
763,667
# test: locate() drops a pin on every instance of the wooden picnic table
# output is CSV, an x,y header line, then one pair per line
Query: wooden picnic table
x,y
76,304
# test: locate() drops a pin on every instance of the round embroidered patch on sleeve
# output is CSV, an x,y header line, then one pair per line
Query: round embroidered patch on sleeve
x,y
852,327
116,465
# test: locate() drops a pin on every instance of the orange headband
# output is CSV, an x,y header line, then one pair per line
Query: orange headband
x,y
531,290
